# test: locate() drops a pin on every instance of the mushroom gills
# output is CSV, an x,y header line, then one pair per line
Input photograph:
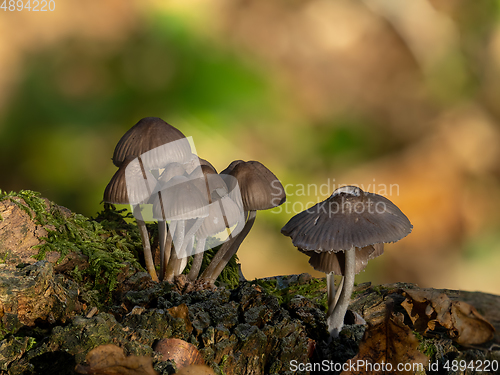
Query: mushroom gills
x,y
330,261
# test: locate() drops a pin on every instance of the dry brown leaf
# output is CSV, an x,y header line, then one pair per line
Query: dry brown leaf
x,y
196,370
433,312
179,351
111,360
386,346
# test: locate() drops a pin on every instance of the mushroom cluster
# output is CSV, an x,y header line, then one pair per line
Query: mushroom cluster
x,y
189,199
340,235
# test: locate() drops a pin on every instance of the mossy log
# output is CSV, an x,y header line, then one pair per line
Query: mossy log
x,y
57,303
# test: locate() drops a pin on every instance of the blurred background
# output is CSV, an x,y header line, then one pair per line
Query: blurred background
x,y
399,98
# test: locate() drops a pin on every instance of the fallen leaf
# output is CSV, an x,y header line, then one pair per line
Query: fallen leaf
x,y
196,370
386,346
111,360
179,351
433,312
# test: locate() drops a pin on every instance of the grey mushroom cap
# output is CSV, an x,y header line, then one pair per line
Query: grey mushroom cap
x,y
214,223
349,217
149,134
329,261
181,200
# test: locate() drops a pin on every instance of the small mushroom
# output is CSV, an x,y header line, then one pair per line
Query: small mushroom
x,y
162,142
351,221
224,213
260,190
131,184
180,201
164,236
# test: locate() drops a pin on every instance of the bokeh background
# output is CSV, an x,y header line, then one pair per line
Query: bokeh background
x,y
401,98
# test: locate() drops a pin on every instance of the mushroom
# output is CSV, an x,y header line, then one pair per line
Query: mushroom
x,y
351,221
260,190
131,184
156,144
179,202
152,134
164,236
224,213
172,170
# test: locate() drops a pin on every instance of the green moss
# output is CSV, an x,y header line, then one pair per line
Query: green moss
x,y
315,290
109,242
426,346
378,289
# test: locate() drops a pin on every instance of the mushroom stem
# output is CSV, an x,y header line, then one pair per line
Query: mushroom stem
x,y
235,245
172,265
330,290
197,260
168,251
210,270
189,236
162,239
335,317
148,257
181,227
337,294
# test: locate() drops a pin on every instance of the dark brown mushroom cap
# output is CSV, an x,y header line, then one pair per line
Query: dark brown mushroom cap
x,y
205,163
349,217
117,191
260,188
148,134
329,261
231,166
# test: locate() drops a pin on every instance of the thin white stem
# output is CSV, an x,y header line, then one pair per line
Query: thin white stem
x,y
335,318
148,257
330,290
197,259
181,264
172,264
189,237
234,246
337,294
162,239
220,254
179,235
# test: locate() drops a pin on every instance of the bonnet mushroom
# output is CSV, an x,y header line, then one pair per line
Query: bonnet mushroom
x,y
224,213
260,190
179,201
150,134
350,221
131,184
